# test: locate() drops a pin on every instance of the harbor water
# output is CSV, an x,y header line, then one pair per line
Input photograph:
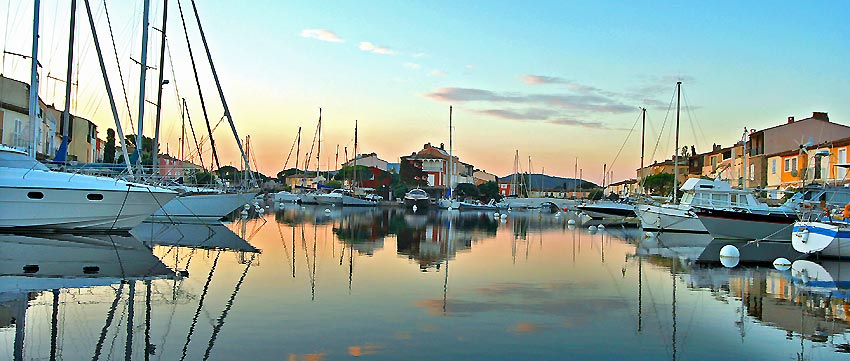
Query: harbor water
x,y
318,283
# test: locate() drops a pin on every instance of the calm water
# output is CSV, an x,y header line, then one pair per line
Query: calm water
x,y
380,284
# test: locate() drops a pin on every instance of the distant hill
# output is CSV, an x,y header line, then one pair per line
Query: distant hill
x,y
550,182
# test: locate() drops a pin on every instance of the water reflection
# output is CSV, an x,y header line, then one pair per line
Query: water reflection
x,y
379,282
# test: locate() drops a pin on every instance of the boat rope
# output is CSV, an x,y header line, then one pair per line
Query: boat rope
x,y
194,137
663,124
118,65
123,203
198,84
617,156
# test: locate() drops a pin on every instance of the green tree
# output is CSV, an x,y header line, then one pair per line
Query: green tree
x,y
659,184
109,147
467,190
489,190
362,173
411,175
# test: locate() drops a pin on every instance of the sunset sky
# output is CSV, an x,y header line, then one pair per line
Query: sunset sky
x,y
557,81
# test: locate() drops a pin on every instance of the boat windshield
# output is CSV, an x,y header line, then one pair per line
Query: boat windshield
x,y
417,192
19,160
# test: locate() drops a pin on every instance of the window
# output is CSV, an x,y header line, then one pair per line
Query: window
x,y
94,196
751,175
773,166
35,195
787,165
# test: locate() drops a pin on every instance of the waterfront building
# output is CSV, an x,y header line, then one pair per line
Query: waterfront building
x,y
786,138
434,164
368,160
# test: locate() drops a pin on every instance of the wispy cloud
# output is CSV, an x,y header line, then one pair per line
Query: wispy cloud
x,y
569,109
321,34
413,66
541,79
367,46
437,72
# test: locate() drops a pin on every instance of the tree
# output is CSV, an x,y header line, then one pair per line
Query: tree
x,y
109,147
411,175
659,184
467,190
489,190
362,172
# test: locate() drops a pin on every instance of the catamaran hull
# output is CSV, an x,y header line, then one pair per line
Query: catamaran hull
x,y
203,207
78,209
828,239
669,219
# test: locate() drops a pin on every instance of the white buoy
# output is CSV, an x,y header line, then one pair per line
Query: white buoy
x,y
601,227
450,208
571,222
280,205
267,207
495,214
247,206
592,228
571,227
558,214
327,210
415,208
503,216
782,264
730,256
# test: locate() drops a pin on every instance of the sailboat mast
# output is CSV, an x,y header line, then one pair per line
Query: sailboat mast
x,y
33,95
354,185
676,153
220,91
451,158
642,144
66,114
143,62
108,89
319,142
298,154
159,91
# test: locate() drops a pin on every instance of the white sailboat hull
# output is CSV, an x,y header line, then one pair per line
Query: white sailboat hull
x,y
827,238
203,207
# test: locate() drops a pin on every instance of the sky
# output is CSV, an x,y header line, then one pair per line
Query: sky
x,y
560,83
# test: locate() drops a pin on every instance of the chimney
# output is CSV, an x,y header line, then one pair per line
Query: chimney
x,y
442,145
820,116
790,119
426,146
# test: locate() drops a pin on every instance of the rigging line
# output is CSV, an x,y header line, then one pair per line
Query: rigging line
x,y
194,137
695,125
663,124
198,84
283,241
109,316
200,306
217,328
611,165
118,65
290,153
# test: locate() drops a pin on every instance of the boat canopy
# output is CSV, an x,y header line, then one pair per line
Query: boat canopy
x,y
698,183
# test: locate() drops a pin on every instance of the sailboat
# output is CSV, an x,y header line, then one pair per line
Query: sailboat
x,y
449,201
34,197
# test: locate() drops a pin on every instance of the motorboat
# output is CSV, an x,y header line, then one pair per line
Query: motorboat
x,y
417,200
703,193
34,197
608,209
772,223
285,197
